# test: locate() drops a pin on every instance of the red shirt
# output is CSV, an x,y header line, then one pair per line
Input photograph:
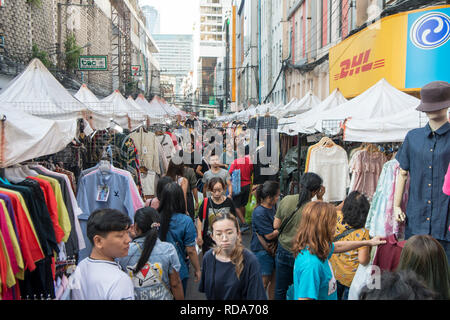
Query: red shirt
x,y
29,244
245,165
52,206
387,256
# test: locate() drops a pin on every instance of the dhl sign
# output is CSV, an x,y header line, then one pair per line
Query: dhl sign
x,y
361,60
408,49
357,64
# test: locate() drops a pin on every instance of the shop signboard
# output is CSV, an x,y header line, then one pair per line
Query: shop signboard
x,y
408,49
136,71
428,48
93,63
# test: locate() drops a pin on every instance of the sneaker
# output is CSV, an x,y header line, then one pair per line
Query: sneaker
x,y
244,227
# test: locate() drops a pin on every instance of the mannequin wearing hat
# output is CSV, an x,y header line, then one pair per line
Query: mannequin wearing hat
x,y
425,155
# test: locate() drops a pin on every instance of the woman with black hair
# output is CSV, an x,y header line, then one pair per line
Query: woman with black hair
x,y
350,227
287,220
264,237
215,204
176,172
178,229
152,264
154,202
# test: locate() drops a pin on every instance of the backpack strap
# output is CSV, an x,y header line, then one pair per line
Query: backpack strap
x,y
205,207
343,234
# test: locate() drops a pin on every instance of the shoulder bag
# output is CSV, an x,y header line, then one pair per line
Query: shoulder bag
x,y
270,247
343,234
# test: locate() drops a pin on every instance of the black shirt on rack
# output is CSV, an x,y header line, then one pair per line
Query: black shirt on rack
x,y
71,245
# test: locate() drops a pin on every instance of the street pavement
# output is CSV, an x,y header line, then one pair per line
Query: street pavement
x,y
192,292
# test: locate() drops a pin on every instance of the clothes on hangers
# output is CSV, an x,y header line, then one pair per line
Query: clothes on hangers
x,y
366,166
34,221
147,146
380,219
330,162
101,190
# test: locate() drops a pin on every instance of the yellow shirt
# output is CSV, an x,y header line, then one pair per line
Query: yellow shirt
x,y
10,279
345,264
27,213
63,214
14,242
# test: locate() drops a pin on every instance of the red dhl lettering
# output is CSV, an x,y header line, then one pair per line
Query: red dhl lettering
x,y
359,63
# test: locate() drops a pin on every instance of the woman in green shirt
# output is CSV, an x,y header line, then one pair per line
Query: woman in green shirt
x,y
287,220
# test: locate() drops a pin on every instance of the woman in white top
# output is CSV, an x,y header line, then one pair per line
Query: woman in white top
x,y
175,171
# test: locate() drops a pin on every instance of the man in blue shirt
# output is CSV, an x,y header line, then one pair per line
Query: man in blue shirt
x,y
425,154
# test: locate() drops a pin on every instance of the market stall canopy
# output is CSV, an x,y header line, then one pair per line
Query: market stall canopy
x,y
85,95
380,100
37,92
392,128
154,115
303,105
122,110
304,123
27,137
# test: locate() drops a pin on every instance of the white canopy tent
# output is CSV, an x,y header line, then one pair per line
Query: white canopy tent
x,y
27,137
303,105
128,116
37,92
305,122
380,100
154,115
392,128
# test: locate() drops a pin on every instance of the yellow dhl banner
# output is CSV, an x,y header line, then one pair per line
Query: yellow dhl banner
x,y
378,51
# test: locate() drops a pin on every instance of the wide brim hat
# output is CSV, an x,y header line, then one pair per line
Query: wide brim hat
x,y
434,96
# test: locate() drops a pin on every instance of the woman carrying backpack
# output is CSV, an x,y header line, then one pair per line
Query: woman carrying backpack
x,y
152,264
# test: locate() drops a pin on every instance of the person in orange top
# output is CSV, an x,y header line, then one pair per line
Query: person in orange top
x,y
350,227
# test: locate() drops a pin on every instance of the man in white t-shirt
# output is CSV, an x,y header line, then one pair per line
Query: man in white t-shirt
x,y
99,277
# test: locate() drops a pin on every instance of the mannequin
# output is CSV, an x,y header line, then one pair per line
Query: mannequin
x,y
436,120
425,156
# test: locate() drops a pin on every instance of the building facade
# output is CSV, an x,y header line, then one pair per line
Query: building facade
x,y
110,28
175,59
152,18
210,47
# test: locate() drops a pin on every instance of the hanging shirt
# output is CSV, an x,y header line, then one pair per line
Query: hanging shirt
x,y
426,155
29,242
137,200
331,164
7,274
52,207
147,146
220,282
119,198
119,193
387,256
63,214
380,219
14,242
367,166
100,280
8,237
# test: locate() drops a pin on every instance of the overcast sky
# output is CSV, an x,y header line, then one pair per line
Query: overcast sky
x,y
176,16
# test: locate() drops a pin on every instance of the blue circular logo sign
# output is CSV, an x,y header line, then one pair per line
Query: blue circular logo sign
x,y
431,31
